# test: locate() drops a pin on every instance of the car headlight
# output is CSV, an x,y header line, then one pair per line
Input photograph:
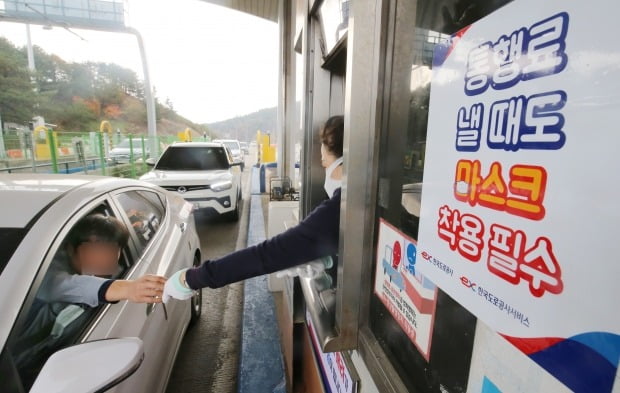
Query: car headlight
x,y
225,185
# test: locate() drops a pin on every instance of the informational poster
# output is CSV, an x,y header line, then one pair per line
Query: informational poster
x,y
520,212
409,296
499,367
336,375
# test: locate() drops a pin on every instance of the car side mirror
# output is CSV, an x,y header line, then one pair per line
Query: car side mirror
x,y
150,161
236,164
94,366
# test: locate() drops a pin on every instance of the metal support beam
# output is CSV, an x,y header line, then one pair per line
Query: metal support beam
x,y
31,65
151,120
286,92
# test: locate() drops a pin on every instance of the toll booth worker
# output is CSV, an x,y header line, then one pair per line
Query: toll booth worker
x,y
81,272
314,237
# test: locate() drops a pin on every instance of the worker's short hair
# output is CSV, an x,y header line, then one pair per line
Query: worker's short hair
x,y
332,135
98,228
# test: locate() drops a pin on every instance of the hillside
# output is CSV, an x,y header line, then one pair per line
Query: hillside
x,y
78,96
244,128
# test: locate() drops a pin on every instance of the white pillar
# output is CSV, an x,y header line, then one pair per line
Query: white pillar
x,y
31,66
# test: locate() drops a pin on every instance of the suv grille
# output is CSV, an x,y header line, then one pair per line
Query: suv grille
x,y
187,188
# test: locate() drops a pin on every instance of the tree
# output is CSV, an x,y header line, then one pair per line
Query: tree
x,y
76,96
17,97
50,70
135,111
112,111
76,117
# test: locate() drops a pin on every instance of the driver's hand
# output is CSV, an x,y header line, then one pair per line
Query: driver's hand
x,y
146,289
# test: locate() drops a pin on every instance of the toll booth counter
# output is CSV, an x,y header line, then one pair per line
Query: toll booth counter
x,y
477,223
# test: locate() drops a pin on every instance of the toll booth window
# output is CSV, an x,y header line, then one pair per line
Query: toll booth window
x,y
334,22
426,335
145,212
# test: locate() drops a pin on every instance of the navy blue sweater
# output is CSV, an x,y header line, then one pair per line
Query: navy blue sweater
x,y
314,237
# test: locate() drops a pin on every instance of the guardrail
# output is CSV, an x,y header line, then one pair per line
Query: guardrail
x,y
95,153
63,167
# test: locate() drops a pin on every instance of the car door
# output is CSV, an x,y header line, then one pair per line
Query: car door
x,y
235,170
45,326
161,247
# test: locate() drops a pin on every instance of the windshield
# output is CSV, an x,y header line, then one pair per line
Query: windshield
x,y
193,159
231,145
9,239
137,144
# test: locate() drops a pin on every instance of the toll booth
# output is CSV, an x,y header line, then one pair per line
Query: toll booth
x,y
476,243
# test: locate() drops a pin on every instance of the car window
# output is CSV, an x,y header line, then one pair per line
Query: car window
x,y
11,382
193,158
229,155
60,307
145,211
10,238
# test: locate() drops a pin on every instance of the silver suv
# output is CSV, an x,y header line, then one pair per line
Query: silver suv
x,y
235,149
120,154
202,173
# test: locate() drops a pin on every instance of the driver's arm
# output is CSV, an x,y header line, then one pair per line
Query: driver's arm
x,y
146,289
61,286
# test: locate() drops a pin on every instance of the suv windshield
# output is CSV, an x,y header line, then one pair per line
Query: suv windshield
x,y
199,158
10,239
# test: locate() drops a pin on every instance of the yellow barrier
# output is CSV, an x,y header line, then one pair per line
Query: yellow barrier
x,y
41,144
105,126
185,136
266,151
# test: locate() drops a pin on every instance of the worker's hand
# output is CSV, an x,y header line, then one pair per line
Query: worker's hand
x,y
177,288
308,270
292,272
146,289
312,269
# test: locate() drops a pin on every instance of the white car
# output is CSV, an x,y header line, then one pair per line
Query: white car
x,y
120,153
140,341
244,147
203,173
235,148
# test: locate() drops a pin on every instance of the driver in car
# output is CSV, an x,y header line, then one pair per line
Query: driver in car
x,y
82,272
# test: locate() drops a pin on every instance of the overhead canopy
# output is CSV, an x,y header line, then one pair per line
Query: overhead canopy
x,y
266,9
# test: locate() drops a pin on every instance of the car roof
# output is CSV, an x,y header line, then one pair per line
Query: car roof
x,y
23,196
195,144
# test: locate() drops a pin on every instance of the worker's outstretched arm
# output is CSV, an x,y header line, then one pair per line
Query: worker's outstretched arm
x,y
314,237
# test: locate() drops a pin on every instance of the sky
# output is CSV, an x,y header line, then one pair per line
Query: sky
x,y
213,63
